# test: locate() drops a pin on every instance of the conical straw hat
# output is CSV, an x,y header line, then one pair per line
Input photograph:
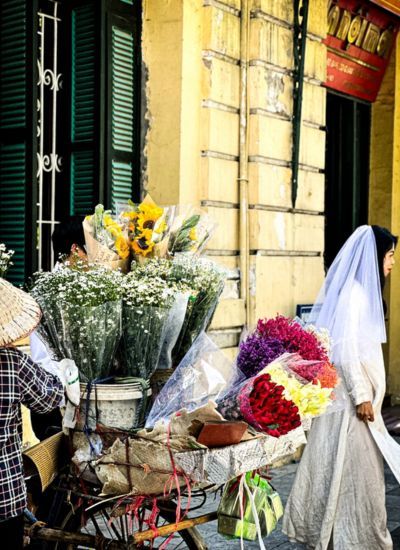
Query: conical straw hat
x,y
19,313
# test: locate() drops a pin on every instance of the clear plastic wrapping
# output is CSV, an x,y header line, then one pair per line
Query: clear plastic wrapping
x,y
173,328
143,330
203,375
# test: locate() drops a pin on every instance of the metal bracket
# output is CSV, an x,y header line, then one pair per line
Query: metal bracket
x,y
299,50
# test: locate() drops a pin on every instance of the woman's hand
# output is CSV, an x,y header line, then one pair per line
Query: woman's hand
x,y
365,412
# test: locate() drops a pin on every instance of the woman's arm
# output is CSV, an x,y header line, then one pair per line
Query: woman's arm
x,y
40,391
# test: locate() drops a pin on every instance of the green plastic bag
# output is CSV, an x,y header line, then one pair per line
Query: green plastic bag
x,y
260,511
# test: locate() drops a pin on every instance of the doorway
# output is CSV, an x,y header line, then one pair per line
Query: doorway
x,y
347,170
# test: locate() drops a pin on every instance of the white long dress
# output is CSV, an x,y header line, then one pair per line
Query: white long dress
x,y
338,497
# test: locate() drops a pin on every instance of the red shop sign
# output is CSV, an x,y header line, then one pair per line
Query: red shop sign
x,y
359,41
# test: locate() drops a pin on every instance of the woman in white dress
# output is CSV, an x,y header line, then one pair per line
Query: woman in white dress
x,y
338,497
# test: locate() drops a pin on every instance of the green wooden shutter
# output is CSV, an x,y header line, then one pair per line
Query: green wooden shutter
x,y
18,31
123,103
103,157
84,108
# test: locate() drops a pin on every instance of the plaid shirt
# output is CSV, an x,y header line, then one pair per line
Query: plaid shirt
x,y
21,381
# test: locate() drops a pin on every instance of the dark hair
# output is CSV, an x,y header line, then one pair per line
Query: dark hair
x,y
67,233
385,241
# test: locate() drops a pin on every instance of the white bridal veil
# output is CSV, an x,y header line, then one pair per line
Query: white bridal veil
x,y
350,307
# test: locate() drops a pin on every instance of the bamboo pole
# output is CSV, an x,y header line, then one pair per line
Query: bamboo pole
x,y
141,536
93,541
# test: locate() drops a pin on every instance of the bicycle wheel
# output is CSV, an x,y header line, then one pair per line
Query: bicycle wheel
x,y
117,527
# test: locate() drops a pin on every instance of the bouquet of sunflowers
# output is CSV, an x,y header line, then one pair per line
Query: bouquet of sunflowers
x,y
147,226
106,240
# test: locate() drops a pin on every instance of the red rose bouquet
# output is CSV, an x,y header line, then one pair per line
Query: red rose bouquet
x,y
261,403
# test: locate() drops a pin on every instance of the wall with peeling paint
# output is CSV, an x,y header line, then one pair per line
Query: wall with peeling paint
x,y
191,55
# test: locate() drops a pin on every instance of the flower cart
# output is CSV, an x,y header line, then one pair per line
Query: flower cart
x,y
145,456
92,521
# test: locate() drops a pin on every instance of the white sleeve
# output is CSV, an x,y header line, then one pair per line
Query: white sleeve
x,y
39,351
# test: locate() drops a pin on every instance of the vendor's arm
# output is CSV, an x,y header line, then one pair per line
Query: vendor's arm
x,y
39,390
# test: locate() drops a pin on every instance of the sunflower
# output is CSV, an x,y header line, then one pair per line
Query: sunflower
x,y
122,247
161,227
143,244
148,216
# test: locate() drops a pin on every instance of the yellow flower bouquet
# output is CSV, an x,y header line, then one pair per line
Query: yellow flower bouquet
x,y
148,226
106,240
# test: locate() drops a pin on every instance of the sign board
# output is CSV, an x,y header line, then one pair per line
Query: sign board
x,y
303,311
391,5
359,41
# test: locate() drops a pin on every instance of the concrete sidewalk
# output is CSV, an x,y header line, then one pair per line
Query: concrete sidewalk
x,y
282,480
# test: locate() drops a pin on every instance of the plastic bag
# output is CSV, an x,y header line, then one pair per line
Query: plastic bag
x,y
249,508
202,375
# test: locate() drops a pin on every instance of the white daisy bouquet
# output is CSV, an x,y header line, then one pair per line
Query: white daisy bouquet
x,y
5,259
206,280
152,317
81,316
202,280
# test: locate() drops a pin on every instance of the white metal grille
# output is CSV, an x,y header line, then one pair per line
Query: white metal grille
x,y
48,160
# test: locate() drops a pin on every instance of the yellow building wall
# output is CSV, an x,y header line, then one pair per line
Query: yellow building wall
x,y
191,53
384,200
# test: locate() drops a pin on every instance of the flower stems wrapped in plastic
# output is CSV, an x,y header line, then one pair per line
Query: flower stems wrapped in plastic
x,y
81,316
202,280
146,310
191,230
262,404
106,240
206,280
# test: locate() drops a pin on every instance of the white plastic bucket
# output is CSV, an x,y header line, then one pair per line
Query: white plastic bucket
x,y
118,406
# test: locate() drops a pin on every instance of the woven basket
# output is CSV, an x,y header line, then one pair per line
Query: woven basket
x,y
44,459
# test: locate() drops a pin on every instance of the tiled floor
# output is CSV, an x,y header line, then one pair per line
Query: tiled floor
x,y
282,480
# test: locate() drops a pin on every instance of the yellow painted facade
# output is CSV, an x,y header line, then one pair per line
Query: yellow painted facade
x,y
191,60
385,199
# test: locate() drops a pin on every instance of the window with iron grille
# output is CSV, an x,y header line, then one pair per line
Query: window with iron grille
x,y
69,117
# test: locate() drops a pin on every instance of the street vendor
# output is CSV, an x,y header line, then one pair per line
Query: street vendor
x,y
68,246
69,241
21,382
